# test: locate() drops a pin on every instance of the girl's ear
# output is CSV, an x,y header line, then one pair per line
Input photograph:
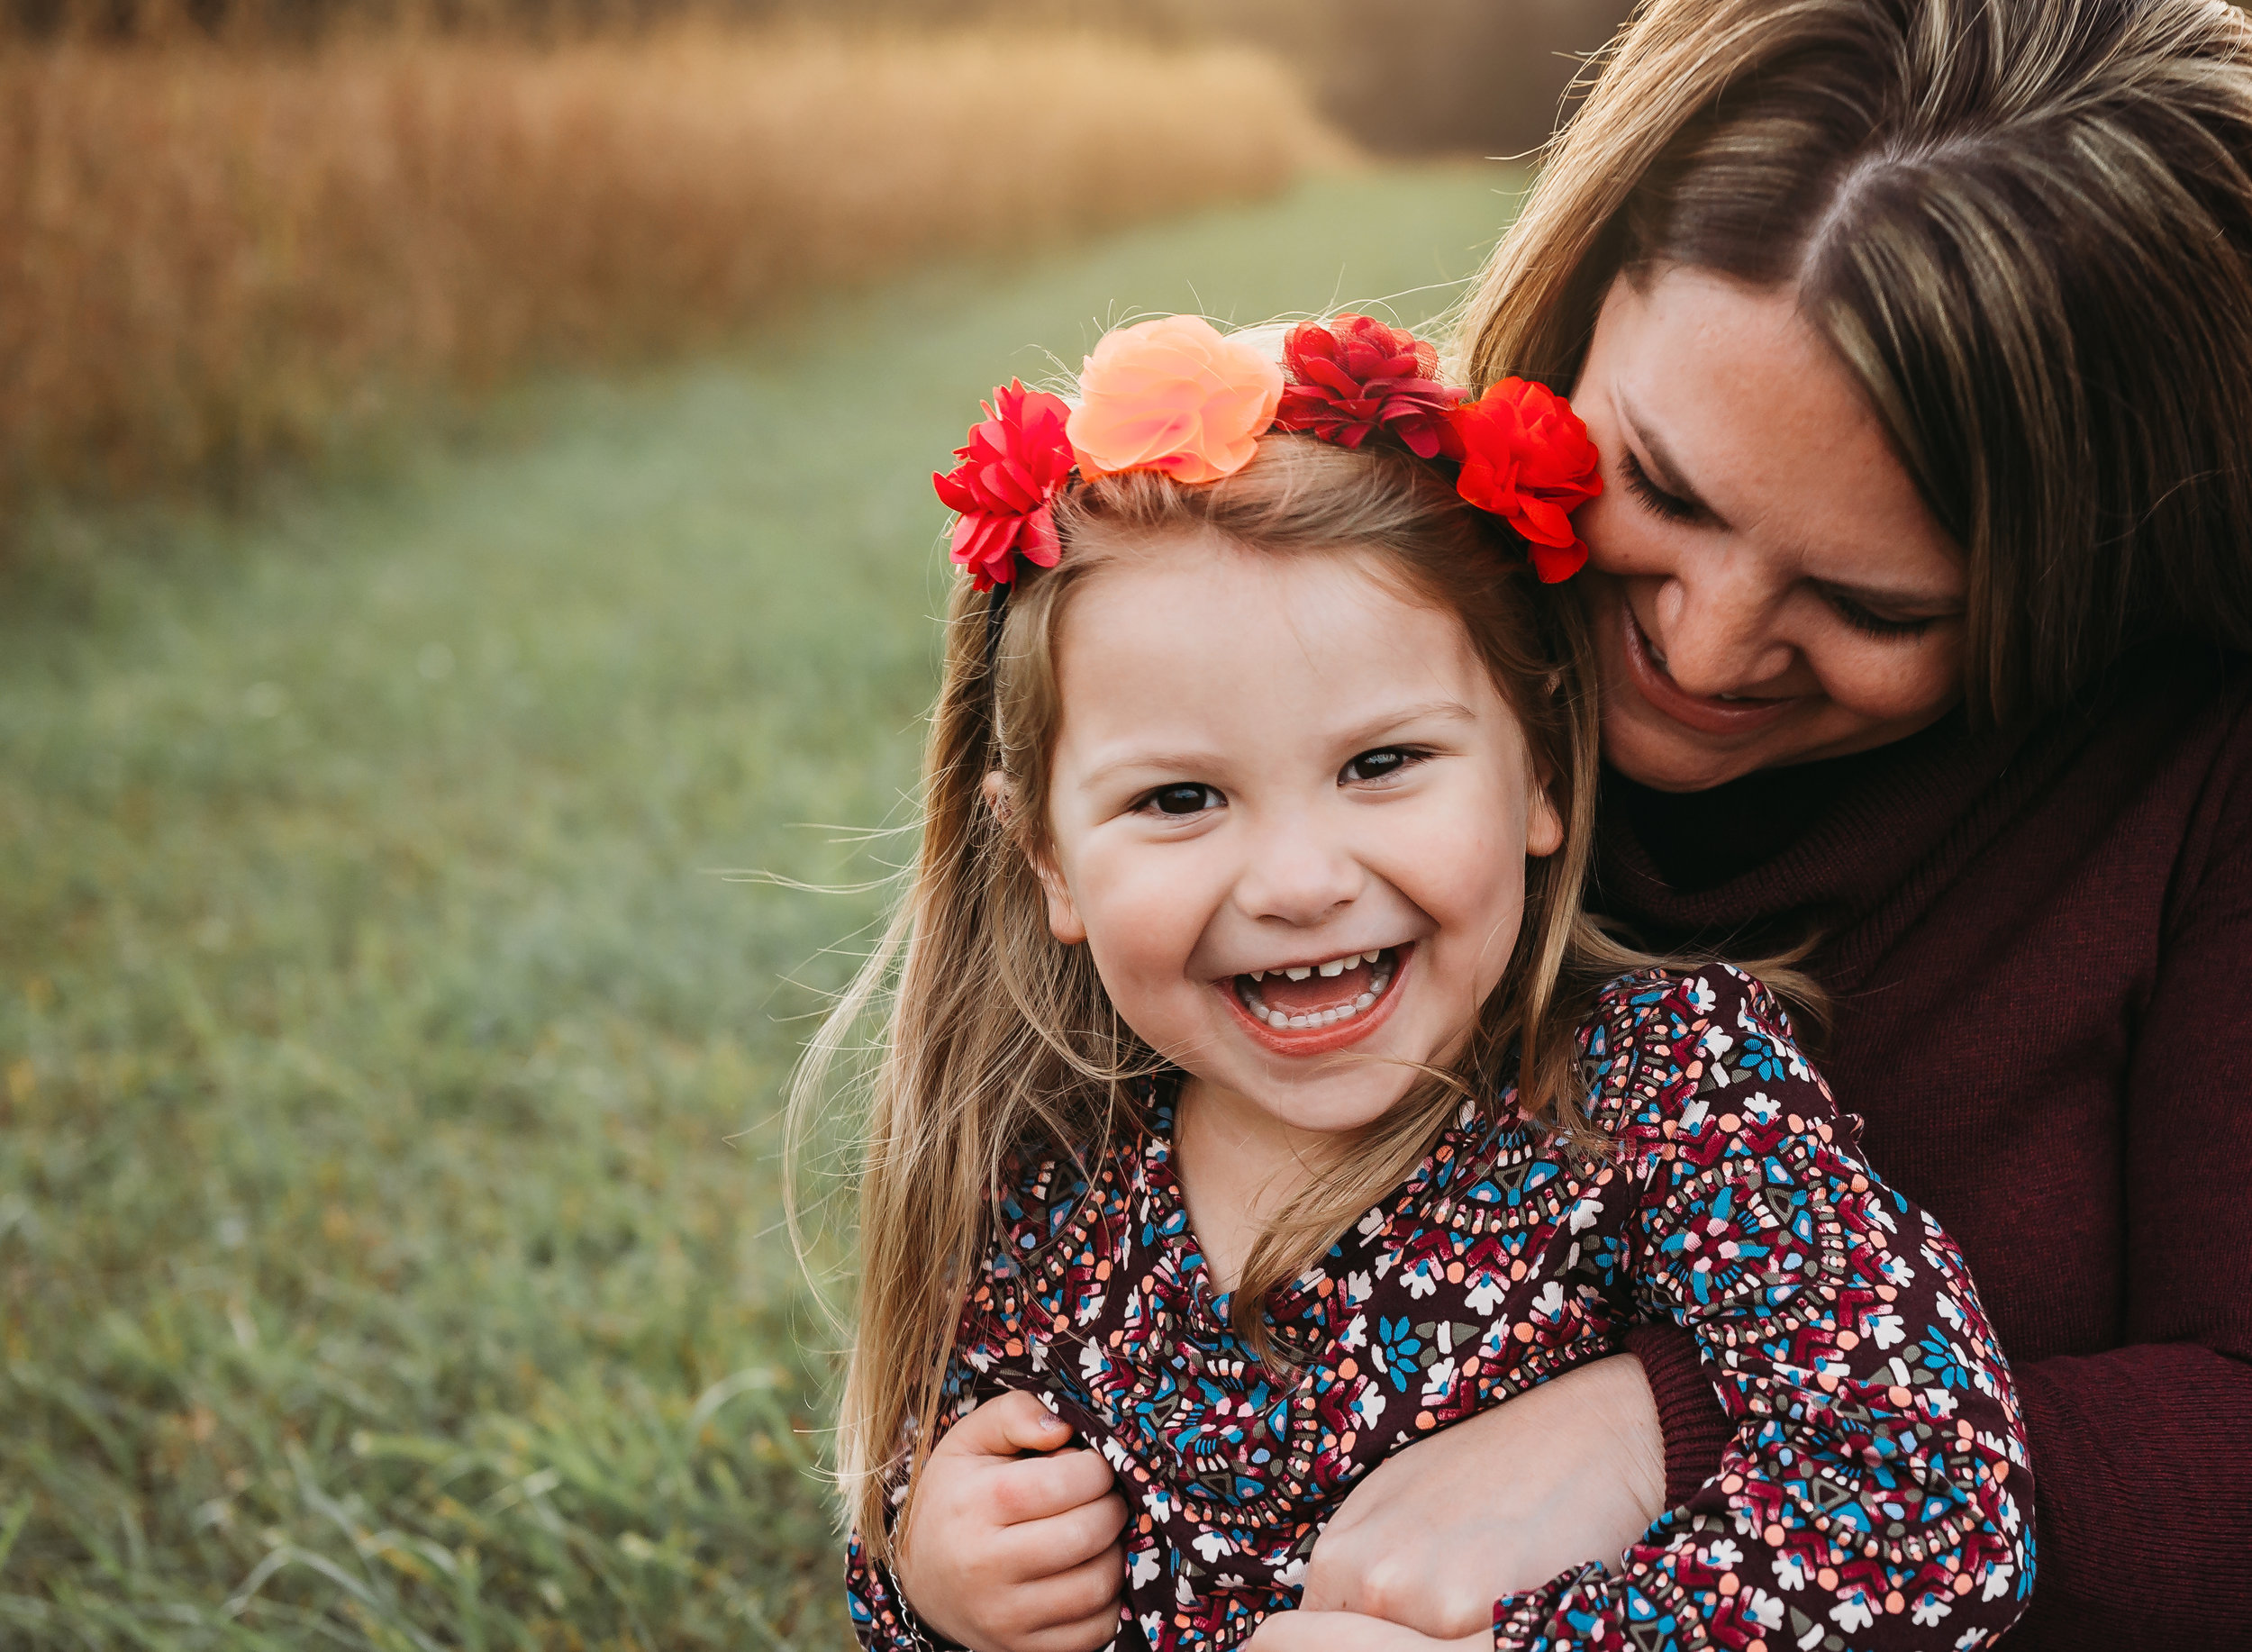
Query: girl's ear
x,y
1063,913
1544,827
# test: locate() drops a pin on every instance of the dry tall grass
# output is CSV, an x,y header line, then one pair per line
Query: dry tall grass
x,y
209,257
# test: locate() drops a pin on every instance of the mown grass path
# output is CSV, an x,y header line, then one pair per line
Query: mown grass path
x,y
389,1244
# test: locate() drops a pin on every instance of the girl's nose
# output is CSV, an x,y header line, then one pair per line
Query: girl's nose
x,y
1297,875
1716,627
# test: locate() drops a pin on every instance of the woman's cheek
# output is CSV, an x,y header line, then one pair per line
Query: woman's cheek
x,y
1883,682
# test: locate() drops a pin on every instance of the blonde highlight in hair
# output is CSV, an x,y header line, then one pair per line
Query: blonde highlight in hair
x,y
1000,1043
2025,227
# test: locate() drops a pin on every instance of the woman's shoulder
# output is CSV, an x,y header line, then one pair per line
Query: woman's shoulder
x,y
1658,1039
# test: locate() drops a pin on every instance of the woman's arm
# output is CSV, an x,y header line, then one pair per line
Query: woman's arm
x,y
1571,1471
2144,1452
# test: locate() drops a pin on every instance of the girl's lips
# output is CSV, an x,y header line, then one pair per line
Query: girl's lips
x,y
1321,1040
1704,713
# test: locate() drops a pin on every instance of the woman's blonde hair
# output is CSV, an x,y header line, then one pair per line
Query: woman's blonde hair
x,y
1001,1044
2025,226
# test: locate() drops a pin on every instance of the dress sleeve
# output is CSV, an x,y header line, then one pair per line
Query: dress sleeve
x,y
882,1619
1034,1199
1875,1493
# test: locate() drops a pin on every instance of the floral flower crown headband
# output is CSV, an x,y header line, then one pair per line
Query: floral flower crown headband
x,y
1175,395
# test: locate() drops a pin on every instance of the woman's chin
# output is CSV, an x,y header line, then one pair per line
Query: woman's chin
x,y
1673,758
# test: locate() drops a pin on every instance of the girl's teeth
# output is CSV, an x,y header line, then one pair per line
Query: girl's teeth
x,y
1323,1018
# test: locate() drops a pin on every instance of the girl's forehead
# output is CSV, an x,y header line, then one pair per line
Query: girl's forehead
x,y
1207,612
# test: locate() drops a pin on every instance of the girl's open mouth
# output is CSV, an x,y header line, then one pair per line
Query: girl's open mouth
x,y
1305,1009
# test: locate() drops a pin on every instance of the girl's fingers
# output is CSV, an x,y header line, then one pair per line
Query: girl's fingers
x,y
1090,1634
1039,1488
1071,1598
1042,1549
1007,1425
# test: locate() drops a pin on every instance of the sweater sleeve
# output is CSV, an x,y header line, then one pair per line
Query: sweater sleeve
x,y
2145,1451
1875,1491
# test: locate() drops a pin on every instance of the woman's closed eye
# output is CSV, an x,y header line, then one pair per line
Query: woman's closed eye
x,y
1181,798
1385,763
1871,624
1671,506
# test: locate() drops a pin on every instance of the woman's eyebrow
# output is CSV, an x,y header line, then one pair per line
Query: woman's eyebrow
x,y
1661,466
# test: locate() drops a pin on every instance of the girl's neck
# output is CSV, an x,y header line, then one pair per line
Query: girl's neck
x,y
1237,1166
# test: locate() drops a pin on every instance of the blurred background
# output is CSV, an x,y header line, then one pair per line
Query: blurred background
x,y
467,561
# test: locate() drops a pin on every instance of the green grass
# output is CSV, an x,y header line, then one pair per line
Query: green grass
x,y
389,1224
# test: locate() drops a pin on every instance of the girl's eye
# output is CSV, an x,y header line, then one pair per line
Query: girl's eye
x,y
1671,506
1184,799
1870,624
1381,764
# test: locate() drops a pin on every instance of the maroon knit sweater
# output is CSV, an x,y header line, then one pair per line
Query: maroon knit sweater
x,y
2040,949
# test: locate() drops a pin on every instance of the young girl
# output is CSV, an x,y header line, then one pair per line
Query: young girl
x,y
1257,1099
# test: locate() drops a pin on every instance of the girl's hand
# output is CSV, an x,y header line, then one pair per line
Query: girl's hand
x,y
1012,1552
1349,1632
1567,1473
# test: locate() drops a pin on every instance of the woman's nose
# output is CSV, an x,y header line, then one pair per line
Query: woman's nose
x,y
1716,628
1295,873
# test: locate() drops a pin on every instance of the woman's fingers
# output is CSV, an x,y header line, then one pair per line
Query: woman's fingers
x,y
1089,1634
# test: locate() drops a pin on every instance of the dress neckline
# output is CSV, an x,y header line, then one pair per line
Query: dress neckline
x,y
1452,1151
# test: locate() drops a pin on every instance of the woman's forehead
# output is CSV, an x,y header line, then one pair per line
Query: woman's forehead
x,y
1727,396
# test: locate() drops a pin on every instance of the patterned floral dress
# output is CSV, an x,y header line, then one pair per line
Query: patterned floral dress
x,y
1876,1495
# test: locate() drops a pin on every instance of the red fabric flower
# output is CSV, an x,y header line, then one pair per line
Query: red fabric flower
x,y
1352,374
1526,459
1012,465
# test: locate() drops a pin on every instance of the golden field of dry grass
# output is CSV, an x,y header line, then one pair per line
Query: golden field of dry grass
x,y
211,258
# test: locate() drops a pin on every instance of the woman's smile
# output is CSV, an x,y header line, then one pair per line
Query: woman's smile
x,y
1707,714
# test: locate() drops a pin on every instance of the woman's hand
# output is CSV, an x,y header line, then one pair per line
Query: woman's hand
x,y
1010,1552
1567,1473
1349,1632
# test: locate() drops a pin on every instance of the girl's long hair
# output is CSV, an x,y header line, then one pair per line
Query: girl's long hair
x,y
999,1043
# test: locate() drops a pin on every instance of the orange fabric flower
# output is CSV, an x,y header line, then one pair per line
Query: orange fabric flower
x,y
1173,394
